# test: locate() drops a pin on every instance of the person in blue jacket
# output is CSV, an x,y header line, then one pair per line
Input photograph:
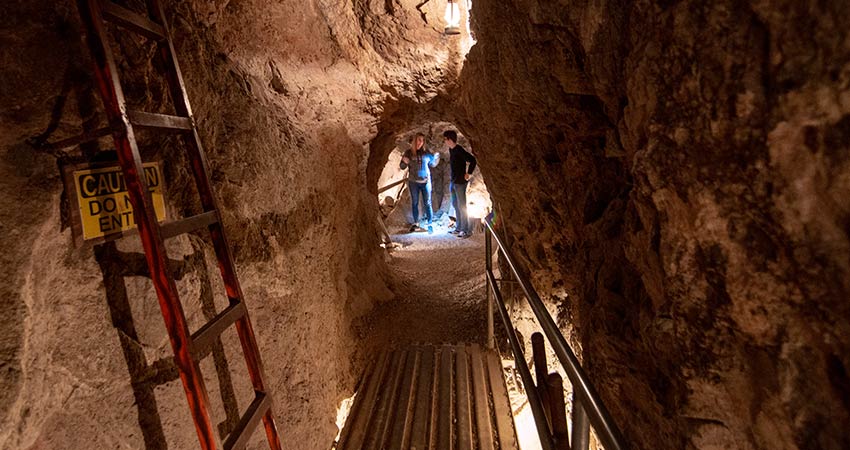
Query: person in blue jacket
x,y
420,161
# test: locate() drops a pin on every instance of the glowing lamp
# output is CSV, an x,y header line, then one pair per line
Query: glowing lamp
x,y
476,210
452,18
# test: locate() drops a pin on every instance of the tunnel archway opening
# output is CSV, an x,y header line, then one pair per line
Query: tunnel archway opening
x,y
441,293
438,279
394,194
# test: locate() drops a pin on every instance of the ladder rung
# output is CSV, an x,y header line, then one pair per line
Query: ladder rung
x,y
204,338
245,428
188,224
136,22
153,120
76,140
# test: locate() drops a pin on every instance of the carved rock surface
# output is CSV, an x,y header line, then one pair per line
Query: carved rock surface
x,y
287,96
675,176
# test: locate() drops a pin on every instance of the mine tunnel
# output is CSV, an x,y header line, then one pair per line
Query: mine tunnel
x,y
208,238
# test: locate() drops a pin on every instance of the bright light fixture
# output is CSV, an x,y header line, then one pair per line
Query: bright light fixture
x,y
452,18
477,208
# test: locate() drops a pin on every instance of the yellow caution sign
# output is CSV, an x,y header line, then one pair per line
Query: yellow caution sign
x,y
105,206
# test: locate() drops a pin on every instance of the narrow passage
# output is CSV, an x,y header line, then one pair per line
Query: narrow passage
x,y
426,386
440,294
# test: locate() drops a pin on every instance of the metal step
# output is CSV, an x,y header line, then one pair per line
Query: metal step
x,y
450,397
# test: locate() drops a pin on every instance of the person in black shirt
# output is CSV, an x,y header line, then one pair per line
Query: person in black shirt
x,y
461,173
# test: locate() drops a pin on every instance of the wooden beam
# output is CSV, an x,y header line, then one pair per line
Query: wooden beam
x,y
238,438
204,338
182,226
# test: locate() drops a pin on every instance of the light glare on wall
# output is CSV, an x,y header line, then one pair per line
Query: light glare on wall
x,y
452,17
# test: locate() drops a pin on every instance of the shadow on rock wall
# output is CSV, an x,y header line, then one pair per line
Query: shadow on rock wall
x,y
144,376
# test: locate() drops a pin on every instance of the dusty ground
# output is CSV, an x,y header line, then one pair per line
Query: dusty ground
x,y
440,294
440,297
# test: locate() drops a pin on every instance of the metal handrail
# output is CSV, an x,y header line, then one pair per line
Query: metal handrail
x,y
533,398
585,393
383,227
392,185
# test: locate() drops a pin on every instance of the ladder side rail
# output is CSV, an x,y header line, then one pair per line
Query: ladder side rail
x,y
200,169
198,161
130,161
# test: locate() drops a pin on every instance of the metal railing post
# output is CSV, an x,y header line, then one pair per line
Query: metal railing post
x,y
541,372
581,426
560,432
593,407
488,261
540,420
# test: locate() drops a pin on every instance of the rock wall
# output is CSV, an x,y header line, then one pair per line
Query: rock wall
x,y
676,176
287,97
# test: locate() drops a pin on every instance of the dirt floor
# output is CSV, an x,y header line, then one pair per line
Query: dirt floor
x,y
440,292
440,298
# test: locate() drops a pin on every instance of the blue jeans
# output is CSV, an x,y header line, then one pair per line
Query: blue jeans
x,y
424,189
459,203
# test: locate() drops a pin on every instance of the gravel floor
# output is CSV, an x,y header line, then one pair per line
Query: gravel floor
x,y
440,293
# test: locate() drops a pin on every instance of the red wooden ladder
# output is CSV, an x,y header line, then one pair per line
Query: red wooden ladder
x,y
188,347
